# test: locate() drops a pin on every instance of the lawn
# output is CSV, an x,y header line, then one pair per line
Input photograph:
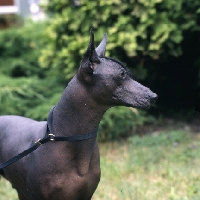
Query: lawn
x,y
162,166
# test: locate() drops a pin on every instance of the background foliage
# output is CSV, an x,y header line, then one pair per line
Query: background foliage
x,y
25,88
135,28
158,40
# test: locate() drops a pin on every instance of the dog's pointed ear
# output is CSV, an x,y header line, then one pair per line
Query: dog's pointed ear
x,y
89,61
101,49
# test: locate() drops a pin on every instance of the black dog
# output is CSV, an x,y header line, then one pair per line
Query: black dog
x,y
70,170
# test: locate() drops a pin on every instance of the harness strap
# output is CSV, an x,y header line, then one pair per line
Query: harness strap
x,y
49,137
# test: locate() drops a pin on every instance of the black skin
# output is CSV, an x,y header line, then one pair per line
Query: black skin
x,y
70,170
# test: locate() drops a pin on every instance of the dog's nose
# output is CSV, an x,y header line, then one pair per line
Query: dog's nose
x,y
153,97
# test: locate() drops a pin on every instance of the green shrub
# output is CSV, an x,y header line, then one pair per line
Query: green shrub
x,y
135,28
20,49
25,88
30,97
156,39
119,122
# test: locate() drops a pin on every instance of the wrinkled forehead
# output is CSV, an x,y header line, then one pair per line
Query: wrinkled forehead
x,y
110,65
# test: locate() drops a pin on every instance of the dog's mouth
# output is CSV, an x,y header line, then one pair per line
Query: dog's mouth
x,y
146,103
140,102
144,106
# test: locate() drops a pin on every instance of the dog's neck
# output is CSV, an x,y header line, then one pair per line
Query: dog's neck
x,y
76,112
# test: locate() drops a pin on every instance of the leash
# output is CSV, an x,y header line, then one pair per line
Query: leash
x,y
49,137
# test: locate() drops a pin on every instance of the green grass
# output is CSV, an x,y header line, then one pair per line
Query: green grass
x,y
160,167
6,191
165,166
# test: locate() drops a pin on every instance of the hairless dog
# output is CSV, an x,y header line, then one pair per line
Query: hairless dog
x,y
70,170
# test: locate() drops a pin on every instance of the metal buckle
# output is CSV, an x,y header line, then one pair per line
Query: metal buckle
x,y
38,142
52,137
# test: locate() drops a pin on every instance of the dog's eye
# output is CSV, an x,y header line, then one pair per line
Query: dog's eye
x,y
122,74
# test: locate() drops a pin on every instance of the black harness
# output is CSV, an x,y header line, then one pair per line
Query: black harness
x,y
49,137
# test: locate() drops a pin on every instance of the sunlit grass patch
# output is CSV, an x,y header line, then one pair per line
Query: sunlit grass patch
x,y
6,191
163,166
